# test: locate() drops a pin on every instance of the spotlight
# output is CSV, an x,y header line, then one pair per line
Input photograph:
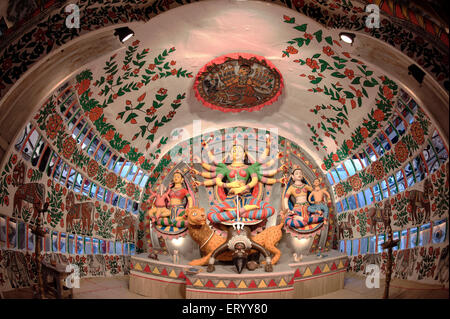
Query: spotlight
x,y
347,37
416,72
124,33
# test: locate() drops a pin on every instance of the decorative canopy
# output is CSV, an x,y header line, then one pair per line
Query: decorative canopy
x,y
237,82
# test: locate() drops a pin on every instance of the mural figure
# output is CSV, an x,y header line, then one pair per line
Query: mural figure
x,y
17,269
382,215
83,212
237,82
405,262
299,216
319,206
124,222
442,267
347,226
419,199
32,193
159,208
238,186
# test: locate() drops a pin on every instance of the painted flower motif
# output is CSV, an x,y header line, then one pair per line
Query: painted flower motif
x,y
328,51
95,113
162,91
126,149
335,157
349,73
349,144
312,63
111,180
68,147
355,182
378,115
8,179
171,114
109,135
83,86
92,168
54,125
291,50
387,92
401,151
377,170
417,133
339,189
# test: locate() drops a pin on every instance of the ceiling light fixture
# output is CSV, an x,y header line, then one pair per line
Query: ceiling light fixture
x,y
124,33
347,37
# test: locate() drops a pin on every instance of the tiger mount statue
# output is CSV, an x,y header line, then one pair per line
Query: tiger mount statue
x,y
238,246
83,212
32,193
419,199
382,215
124,221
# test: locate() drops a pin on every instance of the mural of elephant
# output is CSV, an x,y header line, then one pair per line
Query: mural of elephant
x,y
79,211
31,192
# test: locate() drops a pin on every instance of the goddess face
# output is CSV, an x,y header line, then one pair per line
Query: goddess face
x,y
244,70
297,175
238,154
177,178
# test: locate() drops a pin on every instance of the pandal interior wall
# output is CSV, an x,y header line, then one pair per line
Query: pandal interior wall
x,y
90,221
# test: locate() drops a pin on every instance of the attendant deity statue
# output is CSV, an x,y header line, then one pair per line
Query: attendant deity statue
x,y
319,206
299,216
159,208
177,193
241,178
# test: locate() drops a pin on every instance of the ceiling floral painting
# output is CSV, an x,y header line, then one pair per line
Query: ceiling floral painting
x,y
105,98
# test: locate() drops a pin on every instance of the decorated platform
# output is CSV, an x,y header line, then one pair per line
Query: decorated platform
x,y
311,277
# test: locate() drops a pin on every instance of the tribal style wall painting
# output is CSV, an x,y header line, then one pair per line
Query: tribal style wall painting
x,y
237,82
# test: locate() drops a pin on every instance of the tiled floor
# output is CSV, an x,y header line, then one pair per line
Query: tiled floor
x,y
355,288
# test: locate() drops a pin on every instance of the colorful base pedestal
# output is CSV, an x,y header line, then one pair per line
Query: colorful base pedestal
x,y
311,277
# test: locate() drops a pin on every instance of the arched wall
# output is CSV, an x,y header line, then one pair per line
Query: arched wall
x,y
49,39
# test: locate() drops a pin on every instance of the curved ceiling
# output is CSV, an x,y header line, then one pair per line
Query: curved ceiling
x,y
328,92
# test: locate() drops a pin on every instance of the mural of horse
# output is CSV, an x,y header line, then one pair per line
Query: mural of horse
x,y
380,215
79,211
31,192
419,199
347,225
124,221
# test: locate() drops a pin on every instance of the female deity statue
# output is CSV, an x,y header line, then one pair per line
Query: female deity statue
x,y
177,194
299,216
240,179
